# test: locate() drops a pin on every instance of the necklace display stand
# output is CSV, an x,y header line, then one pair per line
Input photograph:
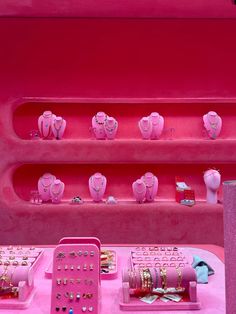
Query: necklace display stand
x,y
44,185
151,183
111,127
44,124
98,122
213,124
212,180
97,186
139,190
58,127
157,125
56,191
145,127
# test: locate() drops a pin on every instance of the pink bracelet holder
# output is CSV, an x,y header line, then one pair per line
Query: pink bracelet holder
x,y
76,276
128,302
22,277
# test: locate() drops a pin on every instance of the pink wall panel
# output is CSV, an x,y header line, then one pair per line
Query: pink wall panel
x,y
117,58
121,8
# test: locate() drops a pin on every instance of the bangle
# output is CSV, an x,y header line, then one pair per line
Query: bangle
x,y
179,280
163,275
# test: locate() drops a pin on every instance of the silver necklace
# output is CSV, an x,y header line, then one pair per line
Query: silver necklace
x,y
143,128
97,188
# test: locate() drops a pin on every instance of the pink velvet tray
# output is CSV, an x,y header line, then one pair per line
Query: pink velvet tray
x,y
212,296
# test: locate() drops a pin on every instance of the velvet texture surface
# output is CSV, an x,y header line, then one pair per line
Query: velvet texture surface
x,y
229,190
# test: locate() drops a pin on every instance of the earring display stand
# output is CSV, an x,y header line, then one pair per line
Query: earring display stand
x,y
76,276
18,268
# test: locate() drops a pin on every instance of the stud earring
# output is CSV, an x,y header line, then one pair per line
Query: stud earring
x,y
72,267
58,282
71,295
57,309
85,267
60,255
91,267
72,254
58,296
80,253
85,253
66,267
77,296
90,309
92,253
59,267
78,280
64,281
64,308
78,267
84,308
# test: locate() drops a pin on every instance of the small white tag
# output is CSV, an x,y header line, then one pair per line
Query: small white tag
x,y
149,299
182,185
173,297
164,299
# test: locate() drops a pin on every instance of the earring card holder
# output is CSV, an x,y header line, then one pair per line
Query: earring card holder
x,y
178,270
76,278
18,266
109,270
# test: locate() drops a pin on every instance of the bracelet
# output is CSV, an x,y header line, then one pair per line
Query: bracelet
x,y
179,280
148,282
163,275
156,286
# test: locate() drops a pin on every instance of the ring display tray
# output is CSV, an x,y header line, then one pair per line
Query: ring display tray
x,y
21,263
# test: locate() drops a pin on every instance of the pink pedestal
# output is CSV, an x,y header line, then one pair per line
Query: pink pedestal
x,y
229,188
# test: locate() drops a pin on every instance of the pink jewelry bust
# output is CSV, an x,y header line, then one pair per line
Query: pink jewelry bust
x,y
58,127
145,127
212,179
110,127
213,124
98,122
44,124
157,125
139,190
56,191
97,186
151,183
44,184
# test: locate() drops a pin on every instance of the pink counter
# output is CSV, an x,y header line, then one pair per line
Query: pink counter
x,y
211,295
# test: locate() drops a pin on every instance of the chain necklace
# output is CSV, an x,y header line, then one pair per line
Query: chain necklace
x,y
139,192
110,129
46,186
97,188
58,129
213,125
143,128
152,183
98,122
46,126
156,123
56,194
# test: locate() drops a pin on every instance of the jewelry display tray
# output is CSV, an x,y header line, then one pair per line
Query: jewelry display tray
x,y
27,289
109,276
182,259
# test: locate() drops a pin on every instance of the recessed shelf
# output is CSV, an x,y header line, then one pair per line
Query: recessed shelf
x,y
119,178
182,121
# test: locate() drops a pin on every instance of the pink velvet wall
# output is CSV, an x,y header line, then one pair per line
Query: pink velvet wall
x,y
179,64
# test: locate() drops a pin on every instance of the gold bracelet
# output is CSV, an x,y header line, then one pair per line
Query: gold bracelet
x,y
147,278
179,280
163,275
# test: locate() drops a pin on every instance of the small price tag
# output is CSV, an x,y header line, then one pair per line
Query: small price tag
x,y
149,299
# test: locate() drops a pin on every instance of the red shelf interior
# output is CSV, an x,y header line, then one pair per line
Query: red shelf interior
x,y
119,178
182,120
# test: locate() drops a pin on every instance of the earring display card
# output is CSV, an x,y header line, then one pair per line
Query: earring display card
x,y
17,269
76,279
109,265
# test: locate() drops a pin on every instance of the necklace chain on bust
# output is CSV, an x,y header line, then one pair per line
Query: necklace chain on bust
x,y
110,129
58,129
152,184
156,122
140,192
213,125
47,125
93,185
46,186
147,128
98,122
59,191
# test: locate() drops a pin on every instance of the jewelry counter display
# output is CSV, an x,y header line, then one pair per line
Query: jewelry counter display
x,y
76,277
159,278
17,268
